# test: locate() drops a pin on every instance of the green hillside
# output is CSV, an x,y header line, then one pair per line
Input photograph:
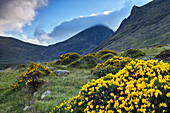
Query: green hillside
x,y
147,26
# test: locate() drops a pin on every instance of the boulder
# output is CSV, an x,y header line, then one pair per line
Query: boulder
x,y
51,68
61,72
145,58
45,93
26,107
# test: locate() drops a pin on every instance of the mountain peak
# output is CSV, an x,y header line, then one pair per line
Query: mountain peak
x,y
82,43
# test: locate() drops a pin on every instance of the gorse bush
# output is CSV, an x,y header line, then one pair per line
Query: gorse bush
x,y
133,53
32,77
106,56
141,86
103,52
68,58
57,62
87,61
112,65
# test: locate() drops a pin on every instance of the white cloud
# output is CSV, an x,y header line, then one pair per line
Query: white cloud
x,y
93,14
81,16
107,12
15,14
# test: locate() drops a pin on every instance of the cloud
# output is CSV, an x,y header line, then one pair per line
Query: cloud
x,y
107,12
15,14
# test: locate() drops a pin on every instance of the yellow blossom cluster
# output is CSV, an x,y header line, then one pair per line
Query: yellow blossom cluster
x,y
112,65
57,62
32,76
103,52
140,87
106,56
87,61
67,58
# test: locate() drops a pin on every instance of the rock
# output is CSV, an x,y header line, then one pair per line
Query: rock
x,y
1,71
26,107
62,72
145,58
51,68
35,93
31,102
45,93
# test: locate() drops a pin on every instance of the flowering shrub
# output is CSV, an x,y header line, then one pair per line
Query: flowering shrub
x,y
106,56
103,52
112,65
68,58
57,62
133,53
87,61
142,86
32,76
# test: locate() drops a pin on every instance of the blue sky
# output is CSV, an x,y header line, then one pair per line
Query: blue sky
x,y
46,22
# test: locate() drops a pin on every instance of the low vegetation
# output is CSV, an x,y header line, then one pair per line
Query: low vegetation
x,y
103,52
119,84
87,61
165,55
133,53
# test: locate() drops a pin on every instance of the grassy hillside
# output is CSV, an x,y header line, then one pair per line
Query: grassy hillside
x,y
13,51
147,26
62,88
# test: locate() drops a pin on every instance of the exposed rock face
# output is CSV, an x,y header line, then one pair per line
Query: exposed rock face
x,y
146,26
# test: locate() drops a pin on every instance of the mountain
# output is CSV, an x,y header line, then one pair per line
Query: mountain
x,y
14,51
82,43
146,26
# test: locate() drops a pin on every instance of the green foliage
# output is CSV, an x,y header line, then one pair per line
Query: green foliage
x,y
87,61
32,77
133,53
103,52
112,65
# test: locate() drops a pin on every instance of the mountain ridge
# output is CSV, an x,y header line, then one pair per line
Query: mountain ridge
x,y
14,51
82,43
146,26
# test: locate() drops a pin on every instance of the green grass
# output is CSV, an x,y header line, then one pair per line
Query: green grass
x,y
62,88
152,52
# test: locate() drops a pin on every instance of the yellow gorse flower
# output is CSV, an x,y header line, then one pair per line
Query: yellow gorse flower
x,y
141,86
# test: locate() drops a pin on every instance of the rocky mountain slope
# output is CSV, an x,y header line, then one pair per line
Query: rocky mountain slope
x,y
146,26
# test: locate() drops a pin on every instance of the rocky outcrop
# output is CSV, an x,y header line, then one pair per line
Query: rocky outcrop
x,y
61,72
